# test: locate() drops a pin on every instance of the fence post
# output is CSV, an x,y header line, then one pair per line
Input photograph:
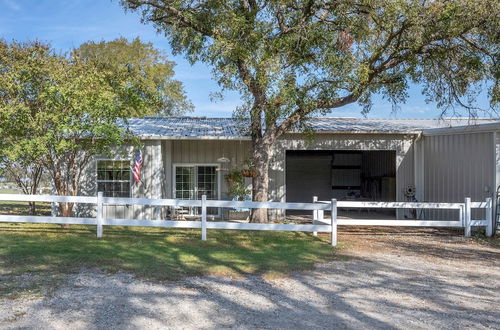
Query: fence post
x,y
315,215
489,217
467,218
203,218
99,214
334,222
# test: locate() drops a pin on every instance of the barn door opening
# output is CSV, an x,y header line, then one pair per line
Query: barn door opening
x,y
355,175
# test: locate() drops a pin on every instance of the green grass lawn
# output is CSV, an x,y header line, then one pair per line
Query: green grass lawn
x,y
22,208
164,254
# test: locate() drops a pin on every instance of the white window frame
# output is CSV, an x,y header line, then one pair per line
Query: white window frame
x,y
113,160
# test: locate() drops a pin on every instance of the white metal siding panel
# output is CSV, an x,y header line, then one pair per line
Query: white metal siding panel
x,y
167,166
497,159
457,166
88,187
150,187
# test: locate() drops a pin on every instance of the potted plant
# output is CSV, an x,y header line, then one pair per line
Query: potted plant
x,y
249,171
237,190
236,185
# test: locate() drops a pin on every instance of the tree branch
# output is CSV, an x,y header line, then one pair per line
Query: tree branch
x,y
302,111
170,10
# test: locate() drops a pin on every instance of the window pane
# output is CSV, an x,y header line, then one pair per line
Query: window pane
x,y
113,178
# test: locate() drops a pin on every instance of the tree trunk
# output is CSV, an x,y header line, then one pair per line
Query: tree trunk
x,y
65,209
260,183
32,206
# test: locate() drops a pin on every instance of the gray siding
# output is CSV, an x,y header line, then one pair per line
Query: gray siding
x,y
444,166
458,166
205,152
151,187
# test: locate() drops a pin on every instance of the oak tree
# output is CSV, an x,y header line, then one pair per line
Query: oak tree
x,y
293,59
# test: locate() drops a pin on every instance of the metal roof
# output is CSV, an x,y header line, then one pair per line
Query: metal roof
x,y
187,128
229,128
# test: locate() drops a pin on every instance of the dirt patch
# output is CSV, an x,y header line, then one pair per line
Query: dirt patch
x,y
431,244
394,278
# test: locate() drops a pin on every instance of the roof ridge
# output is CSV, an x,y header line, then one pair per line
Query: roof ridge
x,y
181,117
399,119
320,118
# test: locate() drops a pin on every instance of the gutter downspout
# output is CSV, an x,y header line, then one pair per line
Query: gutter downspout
x,y
418,169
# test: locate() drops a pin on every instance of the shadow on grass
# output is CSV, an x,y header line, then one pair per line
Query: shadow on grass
x,y
157,253
23,208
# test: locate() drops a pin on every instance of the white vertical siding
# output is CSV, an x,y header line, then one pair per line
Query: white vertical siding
x,y
151,186
167,164
496,163
458,166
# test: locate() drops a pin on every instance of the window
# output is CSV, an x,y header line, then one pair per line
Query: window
x,y
207,182
184,182
113,178
193,181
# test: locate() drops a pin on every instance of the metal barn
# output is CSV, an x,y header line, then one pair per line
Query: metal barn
x,y
346,158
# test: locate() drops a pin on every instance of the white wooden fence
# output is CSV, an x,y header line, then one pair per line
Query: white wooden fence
x,y
464,219
320,224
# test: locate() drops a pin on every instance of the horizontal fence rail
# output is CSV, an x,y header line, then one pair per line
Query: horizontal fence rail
x,y
319,224
48,198
401,205
464,218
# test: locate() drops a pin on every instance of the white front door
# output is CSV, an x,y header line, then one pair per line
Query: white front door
x,y
194,181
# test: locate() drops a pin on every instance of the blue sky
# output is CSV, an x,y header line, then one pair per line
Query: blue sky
x,y
68,23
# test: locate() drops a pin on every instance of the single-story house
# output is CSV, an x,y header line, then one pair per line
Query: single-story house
x,y
346,158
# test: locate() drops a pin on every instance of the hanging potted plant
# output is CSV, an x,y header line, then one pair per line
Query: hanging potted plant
x,y
249,171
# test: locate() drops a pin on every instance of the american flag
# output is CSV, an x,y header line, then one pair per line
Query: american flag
x,y
136,170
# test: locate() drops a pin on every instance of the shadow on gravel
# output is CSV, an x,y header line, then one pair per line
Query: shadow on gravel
x,y
392,284
355,294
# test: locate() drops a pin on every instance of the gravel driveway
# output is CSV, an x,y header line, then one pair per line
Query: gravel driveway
x,y
412,279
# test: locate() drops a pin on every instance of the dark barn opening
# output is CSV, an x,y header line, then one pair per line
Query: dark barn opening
x,y
344,175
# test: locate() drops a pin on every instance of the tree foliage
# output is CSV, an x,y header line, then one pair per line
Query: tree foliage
x,y
60,110
141,74
26,174
293,58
